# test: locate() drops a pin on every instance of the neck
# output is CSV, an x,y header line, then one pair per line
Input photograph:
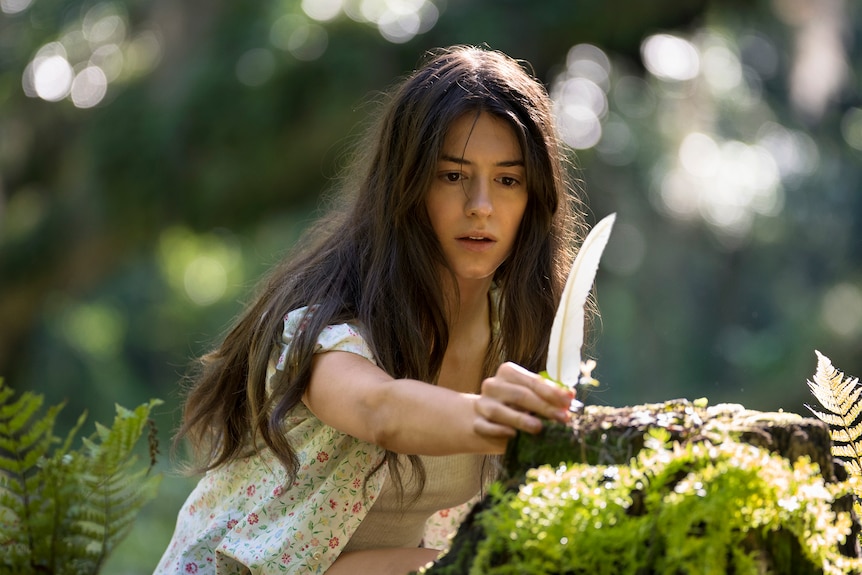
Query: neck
x,y
470,311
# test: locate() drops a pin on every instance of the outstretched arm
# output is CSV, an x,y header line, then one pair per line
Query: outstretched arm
x,y
407,416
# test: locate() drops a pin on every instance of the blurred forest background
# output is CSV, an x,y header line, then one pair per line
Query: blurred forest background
x,y
156,157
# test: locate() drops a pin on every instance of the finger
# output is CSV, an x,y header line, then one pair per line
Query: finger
x,y
544,388
500,414
523,398
519,399
493,430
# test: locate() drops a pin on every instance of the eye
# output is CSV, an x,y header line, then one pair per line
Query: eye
x,y
509,181
453,177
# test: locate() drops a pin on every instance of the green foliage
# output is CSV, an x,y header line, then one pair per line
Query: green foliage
x,y
64,510
706,508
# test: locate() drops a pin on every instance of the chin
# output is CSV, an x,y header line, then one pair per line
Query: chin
x,y
478,276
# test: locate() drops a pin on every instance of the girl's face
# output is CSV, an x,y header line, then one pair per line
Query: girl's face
x,y
478,196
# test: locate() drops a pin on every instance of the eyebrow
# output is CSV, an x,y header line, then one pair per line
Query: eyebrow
x,y
461,160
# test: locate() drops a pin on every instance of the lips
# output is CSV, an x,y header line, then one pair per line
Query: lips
x,y
477,236
476,241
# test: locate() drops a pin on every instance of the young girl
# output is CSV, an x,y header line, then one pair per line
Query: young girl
x,y
344,422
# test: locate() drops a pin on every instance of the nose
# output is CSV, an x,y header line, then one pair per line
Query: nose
x,y
478,199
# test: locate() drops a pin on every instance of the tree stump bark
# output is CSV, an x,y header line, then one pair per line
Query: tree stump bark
x,y
612,436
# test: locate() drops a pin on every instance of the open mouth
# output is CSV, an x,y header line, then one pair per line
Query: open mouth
x,y
477,243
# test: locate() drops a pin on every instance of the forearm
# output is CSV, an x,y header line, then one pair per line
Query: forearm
x,y
418,418
407,416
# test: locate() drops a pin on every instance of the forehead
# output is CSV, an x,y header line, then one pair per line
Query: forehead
x,y
481,134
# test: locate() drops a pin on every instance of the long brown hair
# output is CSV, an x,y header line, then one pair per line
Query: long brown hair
x,y
375,259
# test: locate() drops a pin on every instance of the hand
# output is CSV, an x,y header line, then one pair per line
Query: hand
x,y
515,399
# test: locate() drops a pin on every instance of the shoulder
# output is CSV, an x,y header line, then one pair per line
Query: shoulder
x,y
336,337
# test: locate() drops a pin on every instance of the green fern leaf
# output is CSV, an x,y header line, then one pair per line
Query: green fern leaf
x,y
63,511
26,439
117,493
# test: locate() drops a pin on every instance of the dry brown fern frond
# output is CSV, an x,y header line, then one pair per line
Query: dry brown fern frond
x,y
840,397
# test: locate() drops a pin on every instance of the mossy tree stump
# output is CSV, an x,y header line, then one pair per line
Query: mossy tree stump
x,y
603,436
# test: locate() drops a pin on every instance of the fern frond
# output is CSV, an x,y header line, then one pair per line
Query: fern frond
x,y
848,435
24,438
25,441
829,418
840,397
62,486
832,390
848,452
62,511
116,492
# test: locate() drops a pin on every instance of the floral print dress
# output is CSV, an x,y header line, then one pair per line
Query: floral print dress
x,y
244,518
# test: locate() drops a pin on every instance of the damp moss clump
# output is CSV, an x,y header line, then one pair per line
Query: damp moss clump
x,y
708,508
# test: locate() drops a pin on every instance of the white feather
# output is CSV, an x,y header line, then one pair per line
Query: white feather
x,y
567,331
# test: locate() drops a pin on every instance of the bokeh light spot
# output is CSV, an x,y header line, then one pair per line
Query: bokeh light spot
x,y
25,211
142,54
722,69
255,67
617,146
591,62
304,40
726,183
205,268
851,127
88,57
52,78
205,280
670,57
398,21
95,329
580,98
679,195
841,310
699,155
372,10
399,28
14,6
75,46
109,58
579,126
322,10
795,153
89,87
634,97
103,24
582,92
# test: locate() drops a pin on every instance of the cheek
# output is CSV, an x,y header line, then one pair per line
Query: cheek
x,y
437,219
519,214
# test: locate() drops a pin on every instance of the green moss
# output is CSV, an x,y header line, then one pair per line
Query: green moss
x,y
698,508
